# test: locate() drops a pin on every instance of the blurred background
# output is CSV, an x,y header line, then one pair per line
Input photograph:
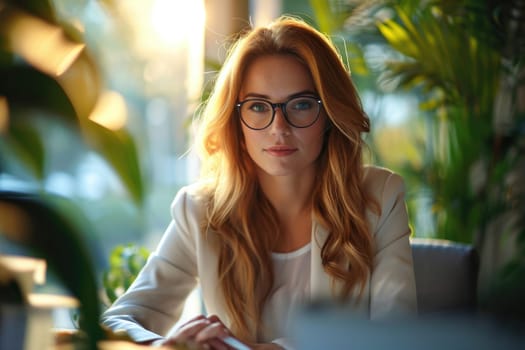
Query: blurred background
x,y
97,99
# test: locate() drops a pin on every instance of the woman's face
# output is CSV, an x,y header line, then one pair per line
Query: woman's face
x,y
281,149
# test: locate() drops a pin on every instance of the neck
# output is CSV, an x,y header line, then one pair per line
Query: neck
x,y
289,195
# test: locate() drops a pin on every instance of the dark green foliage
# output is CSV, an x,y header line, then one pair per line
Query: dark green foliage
x,y
56,229
465,61
59,240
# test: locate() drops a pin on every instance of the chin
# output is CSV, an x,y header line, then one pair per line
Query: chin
x,y
278,172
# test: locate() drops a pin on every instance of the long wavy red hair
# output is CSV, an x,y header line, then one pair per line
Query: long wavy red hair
x,y
239,213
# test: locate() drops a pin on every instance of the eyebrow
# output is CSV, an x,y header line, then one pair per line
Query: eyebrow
x,y
266,97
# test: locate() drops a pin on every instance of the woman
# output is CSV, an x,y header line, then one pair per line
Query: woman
x,y
285,212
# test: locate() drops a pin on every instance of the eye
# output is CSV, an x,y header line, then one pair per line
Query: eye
x,y
258,106
302,104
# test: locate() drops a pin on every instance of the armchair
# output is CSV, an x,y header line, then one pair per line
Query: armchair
x,y
446,276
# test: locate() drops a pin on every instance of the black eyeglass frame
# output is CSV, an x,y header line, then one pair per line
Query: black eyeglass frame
x,y
282,106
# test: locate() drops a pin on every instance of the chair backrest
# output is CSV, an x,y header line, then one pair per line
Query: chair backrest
x,y
446,275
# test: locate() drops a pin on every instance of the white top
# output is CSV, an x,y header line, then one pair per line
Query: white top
x,y
291,289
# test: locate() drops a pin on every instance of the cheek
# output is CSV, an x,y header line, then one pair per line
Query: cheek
x,y
316,145
250,141
314,138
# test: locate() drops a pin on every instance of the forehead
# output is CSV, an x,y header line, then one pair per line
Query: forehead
x,y
276,77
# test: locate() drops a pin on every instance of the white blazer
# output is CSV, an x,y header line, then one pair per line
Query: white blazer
x,y
184,257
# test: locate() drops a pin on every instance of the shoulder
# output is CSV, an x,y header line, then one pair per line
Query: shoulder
x,y
381,182
387,189
190,200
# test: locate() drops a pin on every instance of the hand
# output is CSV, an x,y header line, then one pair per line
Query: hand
x,y
204,332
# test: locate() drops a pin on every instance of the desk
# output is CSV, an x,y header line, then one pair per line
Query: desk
x,y
31,328
26,328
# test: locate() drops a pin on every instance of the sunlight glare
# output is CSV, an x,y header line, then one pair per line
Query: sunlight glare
x,y
110,111
174,21
42,44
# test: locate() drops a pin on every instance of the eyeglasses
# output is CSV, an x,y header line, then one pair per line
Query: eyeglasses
x,y
299,112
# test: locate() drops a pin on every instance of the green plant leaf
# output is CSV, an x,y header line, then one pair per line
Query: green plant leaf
x,y
327,19
398,37
24,86
126,261
119,150
25,142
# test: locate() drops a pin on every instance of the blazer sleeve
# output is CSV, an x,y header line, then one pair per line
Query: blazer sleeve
x,y
154,302
392,286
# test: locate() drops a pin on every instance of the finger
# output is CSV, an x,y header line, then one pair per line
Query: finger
x,y
215,318
190,329
213,330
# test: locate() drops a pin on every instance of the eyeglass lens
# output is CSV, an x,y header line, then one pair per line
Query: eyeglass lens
x,y
300,112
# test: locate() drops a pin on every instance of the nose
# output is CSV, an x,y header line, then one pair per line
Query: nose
x,y
279,124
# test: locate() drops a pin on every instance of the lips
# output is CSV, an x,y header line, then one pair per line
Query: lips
x,y
280,151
